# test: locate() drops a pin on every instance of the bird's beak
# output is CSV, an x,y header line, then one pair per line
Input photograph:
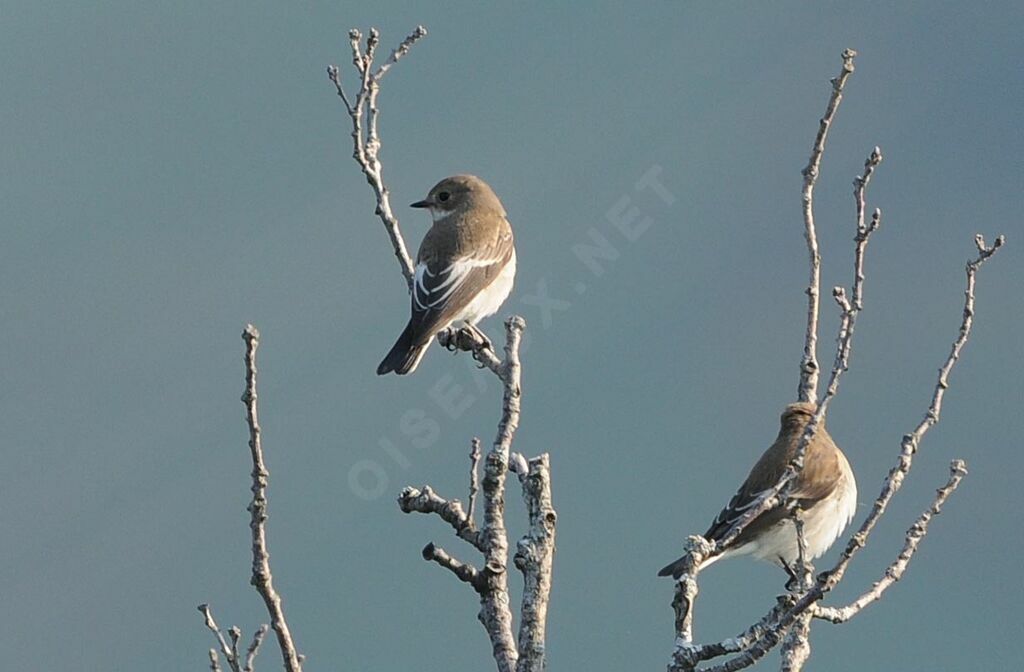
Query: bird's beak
x,y
425,203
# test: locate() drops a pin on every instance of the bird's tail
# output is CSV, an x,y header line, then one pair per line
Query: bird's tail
x,y
405,354
673,569
678,568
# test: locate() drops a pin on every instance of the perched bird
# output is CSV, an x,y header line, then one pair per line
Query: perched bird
x,y
464,269
825,492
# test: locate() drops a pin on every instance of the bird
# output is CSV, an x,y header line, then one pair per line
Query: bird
x,y
824,492
465,267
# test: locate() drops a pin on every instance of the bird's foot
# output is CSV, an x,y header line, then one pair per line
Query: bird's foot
x,y
475,336
449,339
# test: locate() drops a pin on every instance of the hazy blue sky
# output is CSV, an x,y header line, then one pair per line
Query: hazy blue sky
x,y
171,171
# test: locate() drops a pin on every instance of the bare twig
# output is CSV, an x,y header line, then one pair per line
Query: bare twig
x,y
894,572
262,578
427,501
366,143
225,648
254,647
911,442
534,558
214,661
860,185
464,571
808,389
474,480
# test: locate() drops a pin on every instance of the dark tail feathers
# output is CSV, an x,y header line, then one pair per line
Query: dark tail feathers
x,y
675,569
404,356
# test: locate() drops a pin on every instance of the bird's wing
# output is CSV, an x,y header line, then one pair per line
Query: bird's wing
x,y
745,498
805,491
443,289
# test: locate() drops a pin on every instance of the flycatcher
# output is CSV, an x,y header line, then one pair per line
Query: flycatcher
x,y
464,269
825,493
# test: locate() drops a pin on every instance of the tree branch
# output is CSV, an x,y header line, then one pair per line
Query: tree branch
x,y
894,572
495,612
474,479
262,578
230,653
464,571
427,501
366,143
808,389
534,558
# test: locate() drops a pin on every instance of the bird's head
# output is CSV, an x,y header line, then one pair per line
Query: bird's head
x,y
460,193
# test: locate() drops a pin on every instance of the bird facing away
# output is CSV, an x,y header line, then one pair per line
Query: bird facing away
x,y
825,492
464,269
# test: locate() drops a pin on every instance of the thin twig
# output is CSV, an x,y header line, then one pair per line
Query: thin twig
x,y
254,647
225,648
894,572
808,389
366,143
860,185
474,480
214,661
262,578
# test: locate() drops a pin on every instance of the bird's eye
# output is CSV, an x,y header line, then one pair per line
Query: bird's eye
x,y
443,196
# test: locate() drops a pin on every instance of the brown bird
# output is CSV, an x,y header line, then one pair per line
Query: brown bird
x,y
464,269
825,492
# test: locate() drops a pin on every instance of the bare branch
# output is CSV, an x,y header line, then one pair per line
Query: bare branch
x,y
400,51
214,661
474,480
426,500
366,143
254,647
860,185
534,558
911,442
687,655
796,645
262,578
227,650
895,571
495,612
808,389
464,571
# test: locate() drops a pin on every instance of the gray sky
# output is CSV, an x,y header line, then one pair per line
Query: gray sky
x,y
172,171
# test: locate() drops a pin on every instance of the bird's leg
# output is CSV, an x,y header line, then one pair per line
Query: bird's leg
x,y
794,578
